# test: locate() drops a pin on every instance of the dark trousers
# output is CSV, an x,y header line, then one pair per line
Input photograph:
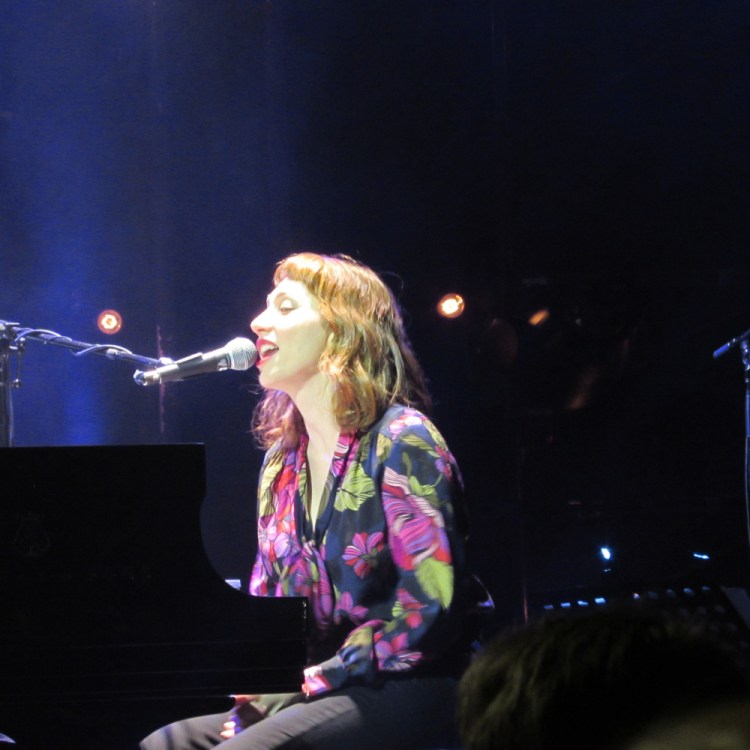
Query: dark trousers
x,y
416,714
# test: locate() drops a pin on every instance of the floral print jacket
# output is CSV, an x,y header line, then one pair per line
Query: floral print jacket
x,y
379,566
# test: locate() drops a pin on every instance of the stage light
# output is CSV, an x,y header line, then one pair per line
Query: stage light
x,y
451,305
606,553
109,321
539,317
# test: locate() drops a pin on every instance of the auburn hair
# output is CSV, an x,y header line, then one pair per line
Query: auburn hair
x,y
368,359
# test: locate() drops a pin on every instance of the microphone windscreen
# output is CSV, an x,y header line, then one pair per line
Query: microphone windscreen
x,y
242,354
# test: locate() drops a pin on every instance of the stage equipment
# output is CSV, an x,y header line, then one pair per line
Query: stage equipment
x,y
451,305
743,343
722,611
109,322
238,354
12,341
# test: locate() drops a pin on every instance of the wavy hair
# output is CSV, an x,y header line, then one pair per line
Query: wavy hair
x,y
369,359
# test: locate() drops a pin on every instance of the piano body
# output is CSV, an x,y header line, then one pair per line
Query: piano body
x,y
109,605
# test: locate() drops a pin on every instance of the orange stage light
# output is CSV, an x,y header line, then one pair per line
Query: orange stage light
x,y
109,321
451,305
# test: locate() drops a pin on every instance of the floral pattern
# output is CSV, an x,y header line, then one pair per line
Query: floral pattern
x,y
378,565
362,552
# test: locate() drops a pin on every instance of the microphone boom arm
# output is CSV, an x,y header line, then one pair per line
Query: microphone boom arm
x,y
12,339
17,335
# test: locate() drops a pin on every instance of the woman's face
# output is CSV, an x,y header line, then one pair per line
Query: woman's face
x,y
291,337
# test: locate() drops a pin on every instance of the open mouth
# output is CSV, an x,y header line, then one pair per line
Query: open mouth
x,y
266,350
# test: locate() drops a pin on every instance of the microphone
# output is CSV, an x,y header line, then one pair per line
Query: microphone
x,y
238,354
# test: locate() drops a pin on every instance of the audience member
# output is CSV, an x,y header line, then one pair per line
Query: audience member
x,y
722,727
590,681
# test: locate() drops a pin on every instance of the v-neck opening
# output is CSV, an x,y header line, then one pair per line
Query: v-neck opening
x,y
309,530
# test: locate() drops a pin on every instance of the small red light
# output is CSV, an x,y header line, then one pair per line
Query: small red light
x,y
109,321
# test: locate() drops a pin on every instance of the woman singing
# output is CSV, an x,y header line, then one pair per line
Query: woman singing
x,y
358,506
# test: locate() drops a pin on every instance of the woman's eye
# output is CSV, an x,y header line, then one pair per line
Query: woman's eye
x,y
286,307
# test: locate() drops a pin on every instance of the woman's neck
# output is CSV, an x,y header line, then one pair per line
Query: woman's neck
x,y
315,404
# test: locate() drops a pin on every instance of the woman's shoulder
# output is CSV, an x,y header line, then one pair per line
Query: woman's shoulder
x,y
278,454
400,422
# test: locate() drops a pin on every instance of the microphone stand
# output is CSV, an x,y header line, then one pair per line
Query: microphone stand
x,y
743,342
6,402
12,340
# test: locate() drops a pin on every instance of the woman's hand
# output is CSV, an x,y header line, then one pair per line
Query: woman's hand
x,y
246,712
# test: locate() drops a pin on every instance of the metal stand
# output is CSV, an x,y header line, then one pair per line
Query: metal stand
x,y
743,342
6,402
12,340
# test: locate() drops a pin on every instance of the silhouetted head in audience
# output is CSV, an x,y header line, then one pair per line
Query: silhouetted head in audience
x,y
590,681
720,727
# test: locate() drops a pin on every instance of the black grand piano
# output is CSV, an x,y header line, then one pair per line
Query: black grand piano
x,y
112,619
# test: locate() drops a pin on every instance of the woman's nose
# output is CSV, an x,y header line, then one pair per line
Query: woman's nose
x,y
259,324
